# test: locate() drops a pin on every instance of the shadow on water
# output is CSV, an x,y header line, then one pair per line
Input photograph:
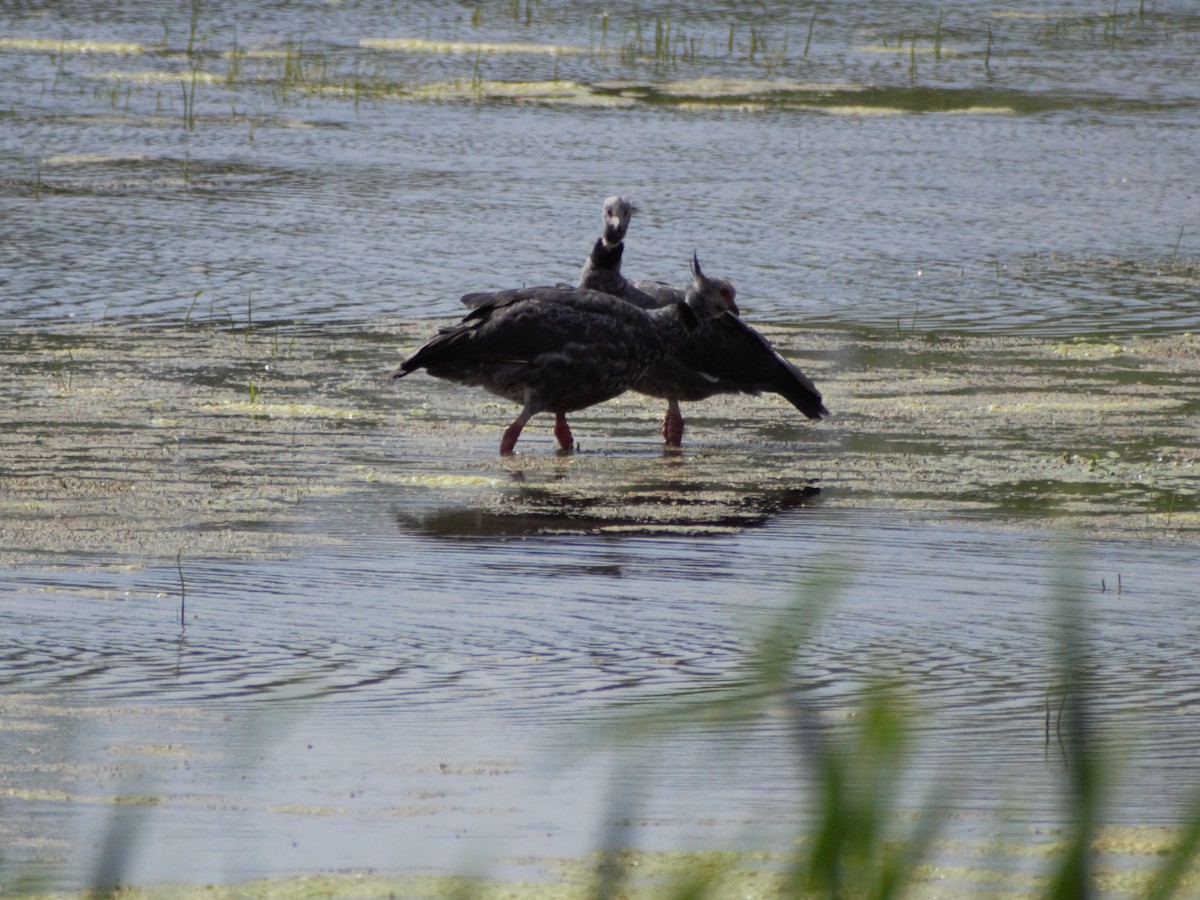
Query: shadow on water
x,y
676,507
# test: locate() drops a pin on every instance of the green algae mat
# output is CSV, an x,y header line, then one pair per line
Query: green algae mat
x,y
137,443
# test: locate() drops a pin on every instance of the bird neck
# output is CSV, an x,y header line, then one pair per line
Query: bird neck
x,y
602,272
606,255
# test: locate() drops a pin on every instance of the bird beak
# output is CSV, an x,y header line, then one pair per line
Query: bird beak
x,y
696,273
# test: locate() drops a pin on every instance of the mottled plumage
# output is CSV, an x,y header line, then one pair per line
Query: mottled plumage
x,y
555,349
722,356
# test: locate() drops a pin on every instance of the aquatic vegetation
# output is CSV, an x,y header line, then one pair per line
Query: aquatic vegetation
x,y
811,24
421,45
61,47
917,406
64,372
1115,29
192,46
911,47
189,101
380,69
188,316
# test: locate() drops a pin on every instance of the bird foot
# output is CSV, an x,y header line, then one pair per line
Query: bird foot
x,y
672,430
509,440
562,432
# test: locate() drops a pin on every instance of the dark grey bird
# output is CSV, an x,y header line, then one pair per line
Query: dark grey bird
x,y
602,270
723,356
560,349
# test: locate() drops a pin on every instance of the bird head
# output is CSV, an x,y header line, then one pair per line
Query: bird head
x,y
617,213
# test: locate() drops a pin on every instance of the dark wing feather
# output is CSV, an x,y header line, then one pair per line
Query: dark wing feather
x,y
741,359
727,356
517,326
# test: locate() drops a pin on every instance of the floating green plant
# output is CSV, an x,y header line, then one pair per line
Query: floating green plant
x,y
421,45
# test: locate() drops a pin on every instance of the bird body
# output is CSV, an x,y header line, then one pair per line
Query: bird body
x,y
555,349
583,345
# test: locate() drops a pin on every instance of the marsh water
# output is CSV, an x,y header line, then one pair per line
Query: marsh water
x,y
419,687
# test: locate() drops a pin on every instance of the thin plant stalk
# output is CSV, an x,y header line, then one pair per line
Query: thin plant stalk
x,y
182,590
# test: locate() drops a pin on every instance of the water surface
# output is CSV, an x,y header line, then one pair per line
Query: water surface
x,y
377,703
1021,170
402,681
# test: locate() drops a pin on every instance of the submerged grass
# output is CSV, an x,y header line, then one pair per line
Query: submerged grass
x,y
379,69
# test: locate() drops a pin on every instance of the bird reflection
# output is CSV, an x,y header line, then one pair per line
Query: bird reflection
x,y
666,507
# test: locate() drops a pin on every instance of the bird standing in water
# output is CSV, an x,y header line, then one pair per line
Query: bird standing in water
x,y
723,356
561,349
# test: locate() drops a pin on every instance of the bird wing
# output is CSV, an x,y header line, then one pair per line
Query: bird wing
x,y
739,358
517,326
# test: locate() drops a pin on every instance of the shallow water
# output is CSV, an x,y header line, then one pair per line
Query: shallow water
x,y
417,684
420,700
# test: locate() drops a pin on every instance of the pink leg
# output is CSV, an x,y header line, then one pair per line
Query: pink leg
x,y
672,429
513,431
509,440
562,431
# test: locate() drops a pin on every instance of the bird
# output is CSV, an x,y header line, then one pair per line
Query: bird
x,y
602,269
723,356
560,349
